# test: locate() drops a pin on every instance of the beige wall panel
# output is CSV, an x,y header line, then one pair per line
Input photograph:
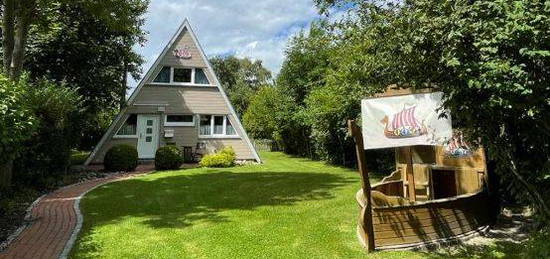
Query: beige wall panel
x,y
183,40
184,99
241,148
467,181
183,136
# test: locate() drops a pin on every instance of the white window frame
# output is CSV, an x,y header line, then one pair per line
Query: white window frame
x,y
157,74
179,124
125,136
182,83
224,131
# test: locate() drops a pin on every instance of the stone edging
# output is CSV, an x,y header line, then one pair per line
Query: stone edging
x,y
26,223
80,218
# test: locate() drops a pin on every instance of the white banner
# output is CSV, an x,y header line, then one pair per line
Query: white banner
x,y
404,120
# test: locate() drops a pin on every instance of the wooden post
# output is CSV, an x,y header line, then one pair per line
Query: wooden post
x,y
366,223
410,175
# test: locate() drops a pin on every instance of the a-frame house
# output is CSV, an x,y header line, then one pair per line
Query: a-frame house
x,y
178,102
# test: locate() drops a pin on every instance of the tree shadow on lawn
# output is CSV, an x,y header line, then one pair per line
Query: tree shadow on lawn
x,y
499,249
180,200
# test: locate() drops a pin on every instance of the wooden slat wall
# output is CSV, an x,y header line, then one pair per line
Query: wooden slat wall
x,y
426,222
184,40
393,188
182,99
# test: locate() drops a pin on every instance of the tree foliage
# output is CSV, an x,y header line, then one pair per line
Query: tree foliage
x,y
241,78
89,51
17,119
47,153
491,60
270,115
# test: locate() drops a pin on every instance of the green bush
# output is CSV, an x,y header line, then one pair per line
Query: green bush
x,y
538,246
121,158
48,153
168,157
225,158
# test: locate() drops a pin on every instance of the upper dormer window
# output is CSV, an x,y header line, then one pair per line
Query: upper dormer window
x,y
200,77
183,76
163,76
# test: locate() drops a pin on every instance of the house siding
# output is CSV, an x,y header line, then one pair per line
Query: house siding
x,y
182,99
189,136
184,40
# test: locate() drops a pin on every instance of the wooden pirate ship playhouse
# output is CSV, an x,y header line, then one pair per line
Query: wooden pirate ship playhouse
x,y
437,192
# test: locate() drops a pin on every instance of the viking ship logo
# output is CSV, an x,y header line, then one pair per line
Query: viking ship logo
x,y
457,147
404,125
183,53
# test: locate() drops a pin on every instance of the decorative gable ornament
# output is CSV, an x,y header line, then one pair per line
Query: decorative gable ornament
x,y
183,53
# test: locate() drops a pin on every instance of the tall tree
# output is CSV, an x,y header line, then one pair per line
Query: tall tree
x,y
88,52
241,78
491,60
17,17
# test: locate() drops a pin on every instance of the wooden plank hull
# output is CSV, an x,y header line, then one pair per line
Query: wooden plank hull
x,y
422,223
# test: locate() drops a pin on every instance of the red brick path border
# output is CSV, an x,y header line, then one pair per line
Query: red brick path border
x,y
54,219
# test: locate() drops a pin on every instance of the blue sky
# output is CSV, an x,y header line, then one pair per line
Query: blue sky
x,y
257,29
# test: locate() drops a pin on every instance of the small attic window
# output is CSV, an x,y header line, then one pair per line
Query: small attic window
x,y
129,128
200,77
182,75
163,76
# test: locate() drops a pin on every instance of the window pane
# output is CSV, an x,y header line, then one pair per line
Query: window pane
x,y
200,77
179,118
218,124
205,128
182,75
229,128
129,127
163,76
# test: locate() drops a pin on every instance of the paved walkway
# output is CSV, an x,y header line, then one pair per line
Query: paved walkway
x,y
53,220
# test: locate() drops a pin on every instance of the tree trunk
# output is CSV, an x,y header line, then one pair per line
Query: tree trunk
x,y
21,33
6,174
8,25
124,85
531,190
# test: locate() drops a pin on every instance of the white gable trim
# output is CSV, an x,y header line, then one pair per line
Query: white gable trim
x,y
149,74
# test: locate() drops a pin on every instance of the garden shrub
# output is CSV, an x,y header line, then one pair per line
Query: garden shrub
x,y
168,157
17,124
225,158
121,158
46,156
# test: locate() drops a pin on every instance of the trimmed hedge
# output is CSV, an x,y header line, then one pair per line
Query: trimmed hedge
x,y
121,158
225,158
168,157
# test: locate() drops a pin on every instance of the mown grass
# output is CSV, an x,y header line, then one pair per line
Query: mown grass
x,y
284,208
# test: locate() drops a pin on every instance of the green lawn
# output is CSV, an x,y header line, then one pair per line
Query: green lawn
x,y
284,208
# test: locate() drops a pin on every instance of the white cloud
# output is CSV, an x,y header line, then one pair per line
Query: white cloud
x,y
246,28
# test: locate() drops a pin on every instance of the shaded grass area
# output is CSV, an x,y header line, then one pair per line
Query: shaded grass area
x,y
284,208
79,157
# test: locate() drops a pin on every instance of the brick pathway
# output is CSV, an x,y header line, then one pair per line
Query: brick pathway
x,y
54,219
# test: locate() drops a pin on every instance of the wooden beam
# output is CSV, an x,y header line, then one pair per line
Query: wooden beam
x,y
366,223
410,175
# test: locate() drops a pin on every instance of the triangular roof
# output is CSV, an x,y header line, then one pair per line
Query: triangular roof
x,y
184,27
